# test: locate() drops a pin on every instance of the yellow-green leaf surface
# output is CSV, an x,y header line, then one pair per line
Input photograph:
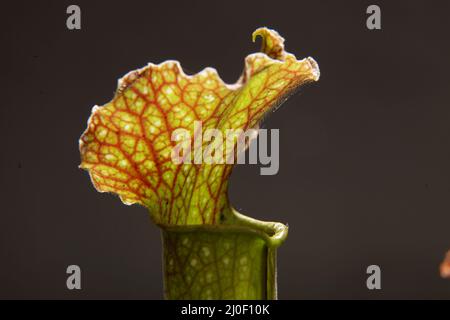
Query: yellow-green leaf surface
x,y
127,145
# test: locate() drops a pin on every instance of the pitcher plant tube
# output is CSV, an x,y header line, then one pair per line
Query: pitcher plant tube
x,y
210,251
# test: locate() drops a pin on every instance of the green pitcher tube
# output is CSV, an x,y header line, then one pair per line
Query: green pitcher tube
x,y
222,262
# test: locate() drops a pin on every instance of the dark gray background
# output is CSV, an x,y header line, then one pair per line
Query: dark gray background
x,y
364,174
